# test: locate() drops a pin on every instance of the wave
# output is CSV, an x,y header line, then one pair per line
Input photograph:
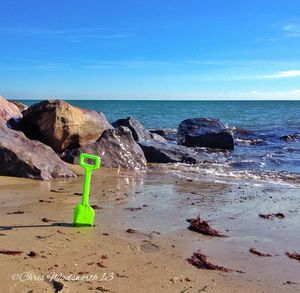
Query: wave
x,y
226,172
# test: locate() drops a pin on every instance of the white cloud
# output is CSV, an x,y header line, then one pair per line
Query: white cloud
x,y
246,95
289,73
182,96
131,64
30,67
234,95
282,74
291,30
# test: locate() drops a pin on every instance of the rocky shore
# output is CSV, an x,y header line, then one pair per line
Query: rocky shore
x,y
155,231
36,140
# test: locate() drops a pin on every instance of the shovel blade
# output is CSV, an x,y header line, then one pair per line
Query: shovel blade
x,y
83,215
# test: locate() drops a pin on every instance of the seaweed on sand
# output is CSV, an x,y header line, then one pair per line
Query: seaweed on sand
x,y
293,255
256,252
200,261
11,252
201,226
272,216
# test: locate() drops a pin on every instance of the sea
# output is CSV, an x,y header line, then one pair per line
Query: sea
x,y
267,135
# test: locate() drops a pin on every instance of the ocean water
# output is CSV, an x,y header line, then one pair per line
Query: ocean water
x,y
261,152
168,114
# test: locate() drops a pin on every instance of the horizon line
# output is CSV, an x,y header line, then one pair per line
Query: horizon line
x,y
168,100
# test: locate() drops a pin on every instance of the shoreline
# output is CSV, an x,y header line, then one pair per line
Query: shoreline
x,y
152,258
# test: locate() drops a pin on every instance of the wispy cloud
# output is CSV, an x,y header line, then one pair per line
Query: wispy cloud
x,y
289,73
288,95
209,95
196,64
34,67
291,30
245,63
130,64
70,34
234,95
281,33
282,74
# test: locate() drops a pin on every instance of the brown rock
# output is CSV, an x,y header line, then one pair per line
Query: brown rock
x,y
130,230
21,157
8,110
20,105
63,126
32,254
101,265
117,149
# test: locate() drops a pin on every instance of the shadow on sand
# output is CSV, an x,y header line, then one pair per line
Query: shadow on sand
x,y
66,225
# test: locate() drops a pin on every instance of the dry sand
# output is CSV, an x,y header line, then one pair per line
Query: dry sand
x,y
154,257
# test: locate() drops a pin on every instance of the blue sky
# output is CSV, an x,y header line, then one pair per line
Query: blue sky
x,y
138,49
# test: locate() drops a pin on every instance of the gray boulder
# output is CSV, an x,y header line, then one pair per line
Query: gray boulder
x,y
203,132
158,152
139,132
21,157
169,134
157,137
116,148
290,137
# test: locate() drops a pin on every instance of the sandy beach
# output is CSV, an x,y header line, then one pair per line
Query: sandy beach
x,y
150,146
36,219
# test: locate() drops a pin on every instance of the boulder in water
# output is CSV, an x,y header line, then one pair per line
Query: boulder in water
x,y
290,137
169,134
203,132
158,152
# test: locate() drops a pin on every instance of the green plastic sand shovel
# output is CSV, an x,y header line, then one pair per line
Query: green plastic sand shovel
x,y
83,213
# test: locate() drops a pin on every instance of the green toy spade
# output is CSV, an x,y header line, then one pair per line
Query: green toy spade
x,y
83,213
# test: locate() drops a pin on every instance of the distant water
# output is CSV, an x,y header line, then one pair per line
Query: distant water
x,y
260,151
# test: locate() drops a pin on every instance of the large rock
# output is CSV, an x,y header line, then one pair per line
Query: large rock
x,y
116,148
20,105
21,157
170,134
139,132
157,137
62,126
203,132
8,110
158,152
290,137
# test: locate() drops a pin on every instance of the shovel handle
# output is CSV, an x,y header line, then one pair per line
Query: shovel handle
x,y
87,176
87,166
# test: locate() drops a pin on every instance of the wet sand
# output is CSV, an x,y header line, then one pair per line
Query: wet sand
x,y
154,257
